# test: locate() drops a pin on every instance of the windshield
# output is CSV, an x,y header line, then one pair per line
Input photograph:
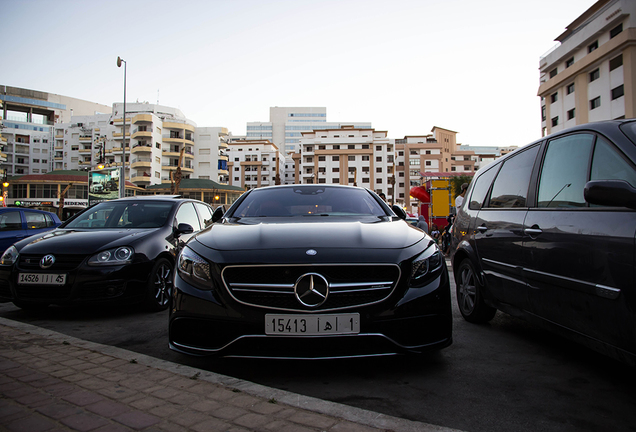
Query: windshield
x,y
129,214
308,201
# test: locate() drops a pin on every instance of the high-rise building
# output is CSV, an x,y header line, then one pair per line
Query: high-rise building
x,y
591,75
287,124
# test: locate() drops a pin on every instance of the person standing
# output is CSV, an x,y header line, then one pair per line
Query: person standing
x,y
421,224
459,199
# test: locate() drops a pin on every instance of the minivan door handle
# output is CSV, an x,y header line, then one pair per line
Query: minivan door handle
x,y
532,232
482,229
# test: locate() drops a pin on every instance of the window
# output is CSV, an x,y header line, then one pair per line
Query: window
x,y
594,75
428,163
510,189
480,190
378,159
616,62
569,89
351,146
607,164
595,103
569,62
35,220
322,158
10,221
378,169
553,73
365,157
555,121
571,114
564,171
351,158
378,148
335,158
554,97
618,92
592,47
616,31
335,169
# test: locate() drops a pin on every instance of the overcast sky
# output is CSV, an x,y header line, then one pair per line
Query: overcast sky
x,y
405,66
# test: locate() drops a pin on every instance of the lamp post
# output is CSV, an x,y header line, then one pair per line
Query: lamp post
x,y
122,188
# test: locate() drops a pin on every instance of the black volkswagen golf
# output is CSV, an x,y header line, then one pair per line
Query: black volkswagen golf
x,y
120,250
548,233
308,271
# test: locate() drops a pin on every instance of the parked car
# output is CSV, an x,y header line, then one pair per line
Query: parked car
x,y
17,223
120,250
310,271
547,234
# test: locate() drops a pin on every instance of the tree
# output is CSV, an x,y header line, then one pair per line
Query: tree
x,y
457,182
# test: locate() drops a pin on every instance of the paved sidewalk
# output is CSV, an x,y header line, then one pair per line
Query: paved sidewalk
x,y
53,382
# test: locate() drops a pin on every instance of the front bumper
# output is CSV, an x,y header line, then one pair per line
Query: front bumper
x,y
83,285
211,323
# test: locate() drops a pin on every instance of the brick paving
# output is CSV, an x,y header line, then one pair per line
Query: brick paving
x,y
51,382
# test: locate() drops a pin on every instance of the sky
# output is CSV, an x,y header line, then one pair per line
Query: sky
x,y
403,65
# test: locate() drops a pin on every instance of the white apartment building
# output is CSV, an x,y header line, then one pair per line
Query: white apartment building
x,y
349,156
28,120
591,75
287,124
158,138
254,163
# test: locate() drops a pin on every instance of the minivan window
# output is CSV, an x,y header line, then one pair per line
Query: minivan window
x,y
608,164
564,171
480,190
510,189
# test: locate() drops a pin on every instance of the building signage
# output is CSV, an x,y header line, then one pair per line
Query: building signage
x,y
103,185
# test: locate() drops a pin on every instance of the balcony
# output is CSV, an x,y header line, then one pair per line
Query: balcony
x,y
86,138
142,118
141,179
85,151
174,168
142,149
141,134
180,126
142,163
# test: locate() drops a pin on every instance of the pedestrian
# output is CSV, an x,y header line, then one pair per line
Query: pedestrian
x,y
435,233
383,196
421,224
459,199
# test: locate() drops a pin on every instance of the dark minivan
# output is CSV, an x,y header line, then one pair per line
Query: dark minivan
x,y
547,233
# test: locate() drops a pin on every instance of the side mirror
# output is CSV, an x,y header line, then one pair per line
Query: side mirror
x,y
614,193
399,211
218,214
184,228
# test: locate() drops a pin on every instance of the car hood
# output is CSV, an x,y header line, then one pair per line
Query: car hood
x,y
355,235
80,241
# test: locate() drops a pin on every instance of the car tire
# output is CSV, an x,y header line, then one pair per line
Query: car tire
x,y
159,286
31,306
470,295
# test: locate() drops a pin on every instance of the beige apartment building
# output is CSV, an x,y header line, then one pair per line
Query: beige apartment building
x,y
591,75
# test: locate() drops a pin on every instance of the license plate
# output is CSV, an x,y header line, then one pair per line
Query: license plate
x,y
310,325
41,279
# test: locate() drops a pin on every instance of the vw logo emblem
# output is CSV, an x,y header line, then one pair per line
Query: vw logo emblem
x,y
311,290
311,252
47,261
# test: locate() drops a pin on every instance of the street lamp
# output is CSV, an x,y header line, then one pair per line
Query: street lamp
x,y
122,191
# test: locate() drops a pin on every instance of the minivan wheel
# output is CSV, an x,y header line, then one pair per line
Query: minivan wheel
x,y
159,288
470,295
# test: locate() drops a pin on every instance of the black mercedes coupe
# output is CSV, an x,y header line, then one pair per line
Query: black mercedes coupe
x,y
310,272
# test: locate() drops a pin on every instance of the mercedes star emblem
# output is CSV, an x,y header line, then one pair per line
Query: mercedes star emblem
x,y
311,289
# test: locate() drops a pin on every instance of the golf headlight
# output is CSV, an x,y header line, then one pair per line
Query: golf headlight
x,y
10,256
194,269
117,256
425,264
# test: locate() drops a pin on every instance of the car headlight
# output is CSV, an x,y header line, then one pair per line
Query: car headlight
x,y
10,256
117,256
424,264
194,269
